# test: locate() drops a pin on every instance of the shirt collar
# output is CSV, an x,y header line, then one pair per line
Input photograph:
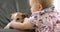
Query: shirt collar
x,y
46,10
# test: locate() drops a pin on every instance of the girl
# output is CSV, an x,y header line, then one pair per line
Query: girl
x,y
43,16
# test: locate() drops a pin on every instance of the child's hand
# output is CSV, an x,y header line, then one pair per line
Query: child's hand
x,y
13,24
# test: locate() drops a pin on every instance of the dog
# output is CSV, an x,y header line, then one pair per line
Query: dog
x,y
19,17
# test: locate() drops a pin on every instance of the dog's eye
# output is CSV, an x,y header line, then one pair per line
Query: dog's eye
x,y
17,19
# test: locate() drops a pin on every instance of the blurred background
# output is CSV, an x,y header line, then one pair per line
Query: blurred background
x,y
57,5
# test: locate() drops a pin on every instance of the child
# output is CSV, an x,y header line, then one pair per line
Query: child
x,y
43,16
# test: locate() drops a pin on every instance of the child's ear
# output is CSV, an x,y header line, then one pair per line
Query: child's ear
x,y
40,7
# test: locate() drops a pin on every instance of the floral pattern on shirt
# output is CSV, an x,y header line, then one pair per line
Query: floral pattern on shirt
x,y
46,20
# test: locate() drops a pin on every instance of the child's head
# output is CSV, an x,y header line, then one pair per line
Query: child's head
x,y
40,4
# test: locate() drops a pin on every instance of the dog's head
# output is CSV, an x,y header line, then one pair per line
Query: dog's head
x,y
18,16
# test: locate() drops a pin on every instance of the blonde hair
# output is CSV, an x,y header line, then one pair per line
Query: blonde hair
x,y
45,3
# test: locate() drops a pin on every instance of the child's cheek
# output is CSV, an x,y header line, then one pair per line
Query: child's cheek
x,y
34,9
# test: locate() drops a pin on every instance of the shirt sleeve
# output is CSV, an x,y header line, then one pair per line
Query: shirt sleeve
x,y
32,20
33,17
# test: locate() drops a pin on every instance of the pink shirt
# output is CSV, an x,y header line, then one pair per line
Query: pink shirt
x,y
46,20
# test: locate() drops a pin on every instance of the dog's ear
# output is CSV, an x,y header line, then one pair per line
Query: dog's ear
x,y
25,15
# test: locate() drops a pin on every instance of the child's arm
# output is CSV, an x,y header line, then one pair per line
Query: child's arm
x,y
18,25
